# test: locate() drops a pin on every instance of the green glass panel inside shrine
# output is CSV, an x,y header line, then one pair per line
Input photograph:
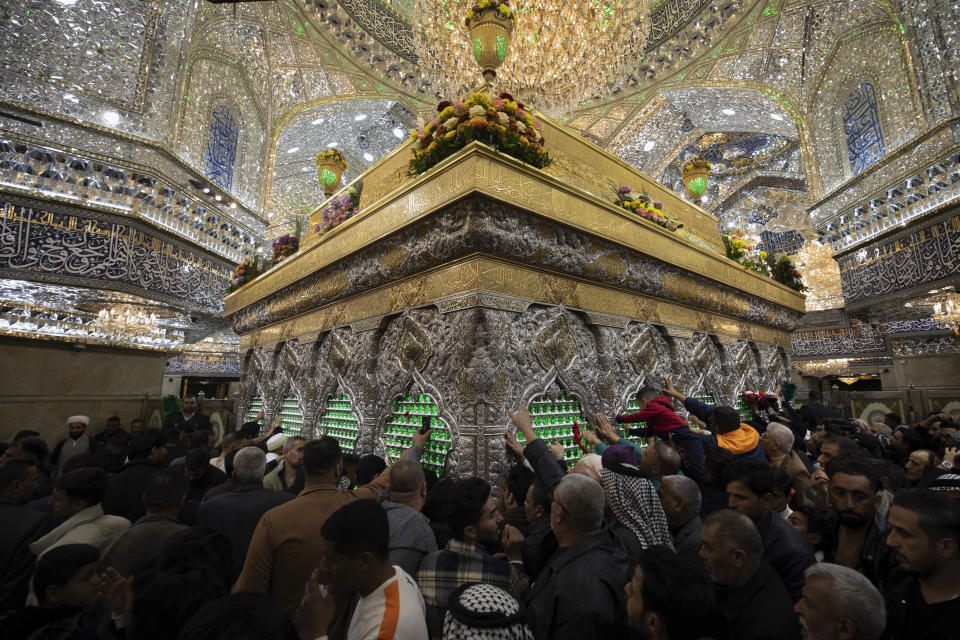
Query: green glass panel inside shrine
x,y
291,416
409,412
553,419
339,421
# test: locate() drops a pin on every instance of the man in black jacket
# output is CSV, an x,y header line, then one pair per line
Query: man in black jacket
x,y
124,496
751,598
814,412
189,416
750,489
859,532
540,543
923,594
579,594
236,513
21,526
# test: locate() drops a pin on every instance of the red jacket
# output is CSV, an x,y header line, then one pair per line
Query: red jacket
x,y
658,415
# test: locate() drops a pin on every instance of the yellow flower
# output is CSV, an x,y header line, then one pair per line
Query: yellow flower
x,y
504,10
480,98
483,4
469,13
450,134
445,114
763,254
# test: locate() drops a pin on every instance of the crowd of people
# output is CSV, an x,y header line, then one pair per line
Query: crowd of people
x,y
681,521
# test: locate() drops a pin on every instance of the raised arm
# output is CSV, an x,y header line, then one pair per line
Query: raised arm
x,y
542,461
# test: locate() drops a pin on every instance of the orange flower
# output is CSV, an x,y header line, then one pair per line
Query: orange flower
x,y
479,122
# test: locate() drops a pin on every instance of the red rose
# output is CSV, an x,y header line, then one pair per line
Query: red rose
x,y
443,105
506,96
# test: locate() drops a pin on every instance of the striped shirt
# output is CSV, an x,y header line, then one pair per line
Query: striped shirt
x,y
393,610
458,563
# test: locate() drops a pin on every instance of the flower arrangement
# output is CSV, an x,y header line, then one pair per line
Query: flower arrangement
x,y
245,272
735,246
501,123
335,156
340,208
643,206
481,7
784,271
697,163
284,247
781,268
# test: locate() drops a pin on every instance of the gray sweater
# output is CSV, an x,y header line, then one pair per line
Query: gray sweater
x,y
411,537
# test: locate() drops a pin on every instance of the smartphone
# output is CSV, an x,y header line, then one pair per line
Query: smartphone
x,y
426,425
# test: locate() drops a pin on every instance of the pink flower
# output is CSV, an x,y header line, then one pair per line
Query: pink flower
x,y
520,113
459,108
435,123
624,189
658,204
497,103
537,123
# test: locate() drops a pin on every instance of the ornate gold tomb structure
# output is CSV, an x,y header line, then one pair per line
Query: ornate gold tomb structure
x,y
486,282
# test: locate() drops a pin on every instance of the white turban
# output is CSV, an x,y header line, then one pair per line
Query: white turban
x,y
74,419
276,441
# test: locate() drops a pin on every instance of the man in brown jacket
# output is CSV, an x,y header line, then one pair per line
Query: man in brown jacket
x,y
287,545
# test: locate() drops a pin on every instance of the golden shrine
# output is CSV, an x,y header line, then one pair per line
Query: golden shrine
x,y
485,282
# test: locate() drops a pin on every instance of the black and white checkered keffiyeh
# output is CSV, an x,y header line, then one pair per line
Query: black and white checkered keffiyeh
x,y
635,503
488,605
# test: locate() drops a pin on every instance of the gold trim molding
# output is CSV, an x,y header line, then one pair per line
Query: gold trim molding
x,y
483,275
479,169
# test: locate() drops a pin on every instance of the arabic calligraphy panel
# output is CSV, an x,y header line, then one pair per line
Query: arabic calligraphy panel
x,y
64,246
222,145
861,123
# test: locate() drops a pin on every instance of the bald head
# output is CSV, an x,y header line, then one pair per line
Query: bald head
x,y
587,471
736,531
406,478
669,458
582,500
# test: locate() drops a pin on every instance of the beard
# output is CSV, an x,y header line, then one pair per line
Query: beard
x,y
76,436
821,634
853,520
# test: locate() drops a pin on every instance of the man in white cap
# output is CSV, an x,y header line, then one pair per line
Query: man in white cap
x,y
286,472
76,445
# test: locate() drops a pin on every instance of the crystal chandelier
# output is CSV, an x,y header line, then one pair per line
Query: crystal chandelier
x,y
126,321
946,310
561,53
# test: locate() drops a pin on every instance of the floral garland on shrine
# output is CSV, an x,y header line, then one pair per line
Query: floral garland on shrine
x,y
335,156
284,247
245,272
501,7
340,208
697,163
501,123
641,205
780,268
